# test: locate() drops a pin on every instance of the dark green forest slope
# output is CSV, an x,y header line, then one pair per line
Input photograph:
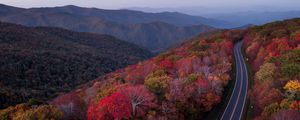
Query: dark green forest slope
x,y
41,62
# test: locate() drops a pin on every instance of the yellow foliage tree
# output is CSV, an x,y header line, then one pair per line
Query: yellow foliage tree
x,y
157,82
266,72
292,85
293,89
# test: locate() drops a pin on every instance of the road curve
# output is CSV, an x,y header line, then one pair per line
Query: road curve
x,y
236,104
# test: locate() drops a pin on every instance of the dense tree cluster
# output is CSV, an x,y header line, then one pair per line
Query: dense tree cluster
x,y
42,62
274,52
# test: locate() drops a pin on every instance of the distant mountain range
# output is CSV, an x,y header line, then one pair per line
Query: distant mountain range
x,y
257,18
155,31
236,15
41,62
120,16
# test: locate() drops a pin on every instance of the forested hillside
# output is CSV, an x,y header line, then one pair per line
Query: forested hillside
x,y
41,62
183,83
274,53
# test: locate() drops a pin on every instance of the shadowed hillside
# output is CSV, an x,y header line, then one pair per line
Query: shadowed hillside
x,y
41,62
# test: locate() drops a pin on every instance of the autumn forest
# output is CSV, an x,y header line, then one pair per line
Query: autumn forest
x,y
100,66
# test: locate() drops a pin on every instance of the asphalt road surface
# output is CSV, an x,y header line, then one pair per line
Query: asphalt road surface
x,y
236,105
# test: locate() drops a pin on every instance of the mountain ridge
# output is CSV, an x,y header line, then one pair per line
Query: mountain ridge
x,y
124,24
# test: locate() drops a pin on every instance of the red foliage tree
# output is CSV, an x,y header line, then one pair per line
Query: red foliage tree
x,y
140,98
117,107
202,42
227,46
294,43
273,95
263,95
272,46
256,94
196,62
283,44
209,99
252,50
181,51
297,38
295,105
184,67
259,60
166,63
215,57
129,102
278,45
137,74
202,85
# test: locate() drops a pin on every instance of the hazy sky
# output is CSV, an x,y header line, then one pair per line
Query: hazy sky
x,y
116,4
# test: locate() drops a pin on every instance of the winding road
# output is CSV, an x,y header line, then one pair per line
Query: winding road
x,y
236,104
